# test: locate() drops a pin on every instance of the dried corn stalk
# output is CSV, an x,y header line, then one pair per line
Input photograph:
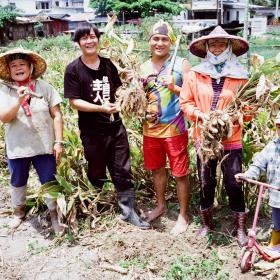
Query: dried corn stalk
x,y
257,94
131,98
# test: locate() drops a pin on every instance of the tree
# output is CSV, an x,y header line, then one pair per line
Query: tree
x,y
142,8
7,13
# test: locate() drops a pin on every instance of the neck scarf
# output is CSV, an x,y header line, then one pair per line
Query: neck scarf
x,y
25,105
223,65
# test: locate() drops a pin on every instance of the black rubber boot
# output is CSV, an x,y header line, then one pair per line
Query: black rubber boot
x,y
128,212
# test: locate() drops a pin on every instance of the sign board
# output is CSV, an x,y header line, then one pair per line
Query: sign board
x,y
258,25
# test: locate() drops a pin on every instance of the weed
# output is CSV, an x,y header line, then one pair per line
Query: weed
x,y
137,262
34,248
190,268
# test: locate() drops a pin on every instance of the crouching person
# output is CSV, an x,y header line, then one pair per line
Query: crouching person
x,y
90,83
33,126
268,161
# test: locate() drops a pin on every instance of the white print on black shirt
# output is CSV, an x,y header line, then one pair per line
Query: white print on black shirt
x,y
102,90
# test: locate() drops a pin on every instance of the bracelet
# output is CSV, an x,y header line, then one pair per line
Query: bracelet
x,y
59,142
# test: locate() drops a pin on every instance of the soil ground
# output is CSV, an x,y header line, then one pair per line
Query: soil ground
x,y
120,251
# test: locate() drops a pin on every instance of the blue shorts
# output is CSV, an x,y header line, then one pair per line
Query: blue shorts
x,y
44,165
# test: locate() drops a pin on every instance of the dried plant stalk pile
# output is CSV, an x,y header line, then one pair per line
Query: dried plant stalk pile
x,y
131,98
259,93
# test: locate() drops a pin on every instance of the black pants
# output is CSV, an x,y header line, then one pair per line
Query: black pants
x,y
207,178
108,148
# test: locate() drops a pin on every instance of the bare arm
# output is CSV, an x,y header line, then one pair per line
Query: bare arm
x,y
185,68
84,106
58,131
8,113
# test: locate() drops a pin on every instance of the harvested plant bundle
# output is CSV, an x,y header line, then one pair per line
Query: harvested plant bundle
x,y
257,94
131,97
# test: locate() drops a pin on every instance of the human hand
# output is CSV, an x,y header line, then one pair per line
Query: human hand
x,y
151,117
109,108
169,82
239,177
203,117
58,150
129,75
22,93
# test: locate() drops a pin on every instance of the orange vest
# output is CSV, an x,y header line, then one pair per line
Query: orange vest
x,y
197,95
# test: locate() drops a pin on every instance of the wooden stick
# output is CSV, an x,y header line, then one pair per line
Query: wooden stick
x,y
16,88
115,268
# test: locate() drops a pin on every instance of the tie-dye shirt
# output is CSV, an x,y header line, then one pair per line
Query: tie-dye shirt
x,y
163,103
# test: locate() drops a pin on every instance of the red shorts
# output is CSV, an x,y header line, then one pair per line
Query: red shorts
x,y
176,148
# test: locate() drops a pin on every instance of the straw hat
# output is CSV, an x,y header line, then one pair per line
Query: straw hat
x,y
239,45
39,63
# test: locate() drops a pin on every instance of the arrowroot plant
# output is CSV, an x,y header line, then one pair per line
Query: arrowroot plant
x,y
257,95
131,98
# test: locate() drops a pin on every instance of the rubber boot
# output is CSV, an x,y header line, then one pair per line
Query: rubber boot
x,y
275,238
239,227
18,197
207,222
127,204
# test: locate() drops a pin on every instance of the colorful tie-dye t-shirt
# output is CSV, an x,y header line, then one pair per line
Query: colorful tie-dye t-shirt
x,y
163,104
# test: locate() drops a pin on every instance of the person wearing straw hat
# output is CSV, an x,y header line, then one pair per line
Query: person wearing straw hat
x,y
30,110
267,162
164,129
212,85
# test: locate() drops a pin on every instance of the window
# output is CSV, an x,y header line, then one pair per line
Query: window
x,y
228,15
44,5
57,3
237,15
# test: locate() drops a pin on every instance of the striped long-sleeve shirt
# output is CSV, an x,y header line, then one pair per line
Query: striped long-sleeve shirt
x,y
268,160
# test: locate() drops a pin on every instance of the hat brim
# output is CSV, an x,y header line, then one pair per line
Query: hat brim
x,y
38,62
239,45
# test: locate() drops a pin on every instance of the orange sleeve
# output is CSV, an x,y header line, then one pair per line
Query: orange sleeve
x,y
187,97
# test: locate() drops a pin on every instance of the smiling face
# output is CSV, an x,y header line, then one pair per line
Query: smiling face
x,y
160,45
217,46
89,43
20,70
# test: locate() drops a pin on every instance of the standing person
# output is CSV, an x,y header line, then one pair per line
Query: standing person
x,y
90,83
164,128
33,127
267,162
209,86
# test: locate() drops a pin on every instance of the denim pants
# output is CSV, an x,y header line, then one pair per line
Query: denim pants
x,y
108,149
276,218
231,165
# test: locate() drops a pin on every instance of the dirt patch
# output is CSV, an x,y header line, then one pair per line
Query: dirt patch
x,y
119,251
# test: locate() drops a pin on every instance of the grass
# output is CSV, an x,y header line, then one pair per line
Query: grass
x,y
190,268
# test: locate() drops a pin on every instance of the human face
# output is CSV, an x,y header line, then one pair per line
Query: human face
x,y
20,70
217,46
89,43
160,45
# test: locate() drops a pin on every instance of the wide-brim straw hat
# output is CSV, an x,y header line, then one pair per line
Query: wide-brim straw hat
x,y
239,45
38,62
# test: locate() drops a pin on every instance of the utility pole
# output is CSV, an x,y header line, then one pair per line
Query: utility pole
x,y
276,11
246,20
222,11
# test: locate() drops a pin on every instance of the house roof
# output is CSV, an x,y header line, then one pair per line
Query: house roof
x,y
81,17
24,20
58,16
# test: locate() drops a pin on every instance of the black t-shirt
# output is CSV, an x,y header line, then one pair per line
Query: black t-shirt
x,y
94,86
